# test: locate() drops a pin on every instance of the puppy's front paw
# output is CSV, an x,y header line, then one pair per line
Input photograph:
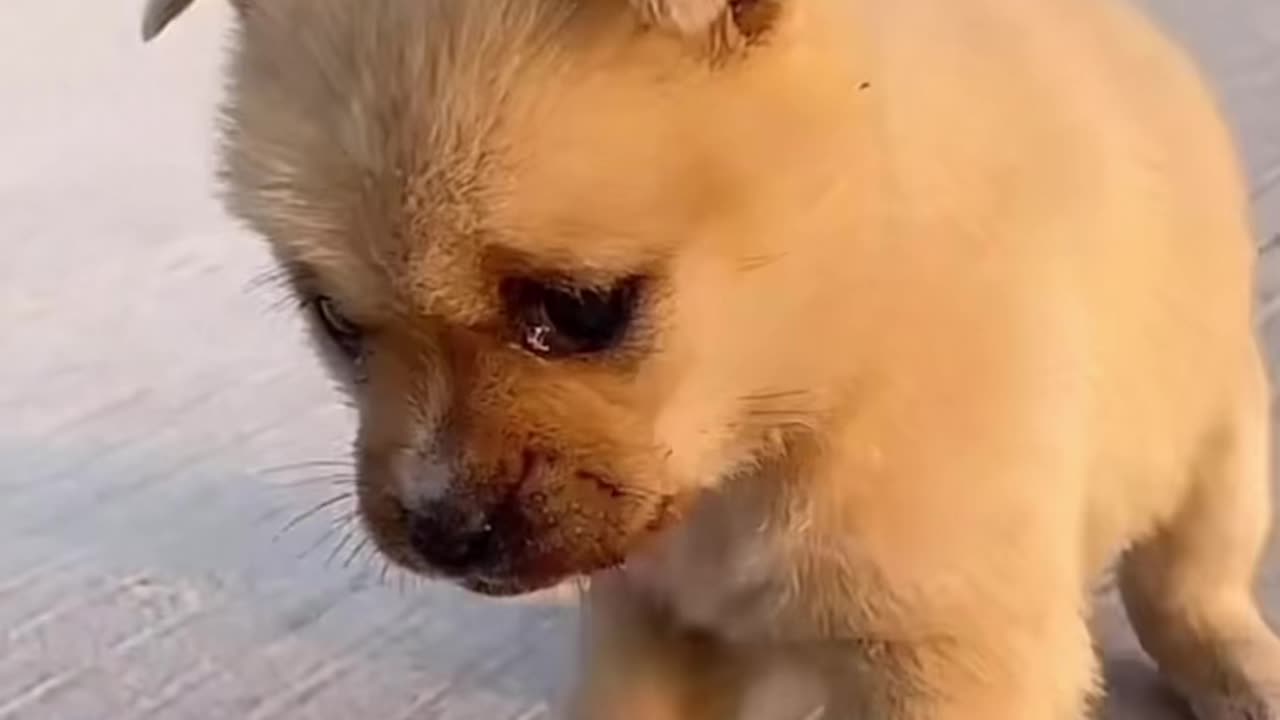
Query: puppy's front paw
x,y
1248,686
1244,706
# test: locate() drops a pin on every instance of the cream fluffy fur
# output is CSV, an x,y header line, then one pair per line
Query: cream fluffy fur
x,y
954,310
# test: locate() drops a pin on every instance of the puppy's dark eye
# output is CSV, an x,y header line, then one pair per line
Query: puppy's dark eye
x,y
344,333
558,320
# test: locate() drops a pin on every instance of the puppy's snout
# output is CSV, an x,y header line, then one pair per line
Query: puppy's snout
x,y
451,540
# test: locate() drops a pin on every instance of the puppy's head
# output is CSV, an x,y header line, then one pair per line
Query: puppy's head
x,y
555,250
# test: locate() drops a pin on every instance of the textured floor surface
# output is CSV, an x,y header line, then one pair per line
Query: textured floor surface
x,y
145,397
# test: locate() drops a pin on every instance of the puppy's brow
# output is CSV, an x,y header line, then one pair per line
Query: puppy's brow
x,y
504,260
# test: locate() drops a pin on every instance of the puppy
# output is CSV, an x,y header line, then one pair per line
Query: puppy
x,y
856,337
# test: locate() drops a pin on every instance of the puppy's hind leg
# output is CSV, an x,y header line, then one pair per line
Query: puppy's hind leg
x,y
1188,589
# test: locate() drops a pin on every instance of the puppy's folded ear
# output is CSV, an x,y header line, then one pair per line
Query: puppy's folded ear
x,y
159,13
720,20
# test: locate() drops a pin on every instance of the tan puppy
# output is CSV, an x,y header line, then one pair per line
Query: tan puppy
x,y
857,336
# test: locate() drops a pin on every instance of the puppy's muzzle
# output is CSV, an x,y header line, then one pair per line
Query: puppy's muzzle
x,y
512,524
490,527
462,542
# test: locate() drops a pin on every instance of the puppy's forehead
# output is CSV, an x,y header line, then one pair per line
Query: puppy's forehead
x,y
395,148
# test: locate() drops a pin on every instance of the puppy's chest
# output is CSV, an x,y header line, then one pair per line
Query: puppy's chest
x,y
728,570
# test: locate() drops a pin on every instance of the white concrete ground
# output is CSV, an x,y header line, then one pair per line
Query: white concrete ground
x,y
145,393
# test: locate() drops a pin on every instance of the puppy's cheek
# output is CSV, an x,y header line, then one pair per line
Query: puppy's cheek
x,y
697,435
702,420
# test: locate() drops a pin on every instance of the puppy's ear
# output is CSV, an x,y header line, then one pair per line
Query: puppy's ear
x,y
729,21
159,13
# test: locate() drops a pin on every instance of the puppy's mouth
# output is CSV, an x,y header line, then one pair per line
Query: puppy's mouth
x,y
510,587
542,529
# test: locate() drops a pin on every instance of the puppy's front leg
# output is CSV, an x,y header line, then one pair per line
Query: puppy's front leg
x,y
636,664
1011,674
1189,587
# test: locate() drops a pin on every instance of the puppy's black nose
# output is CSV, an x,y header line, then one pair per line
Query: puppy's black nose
x,y
452,541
